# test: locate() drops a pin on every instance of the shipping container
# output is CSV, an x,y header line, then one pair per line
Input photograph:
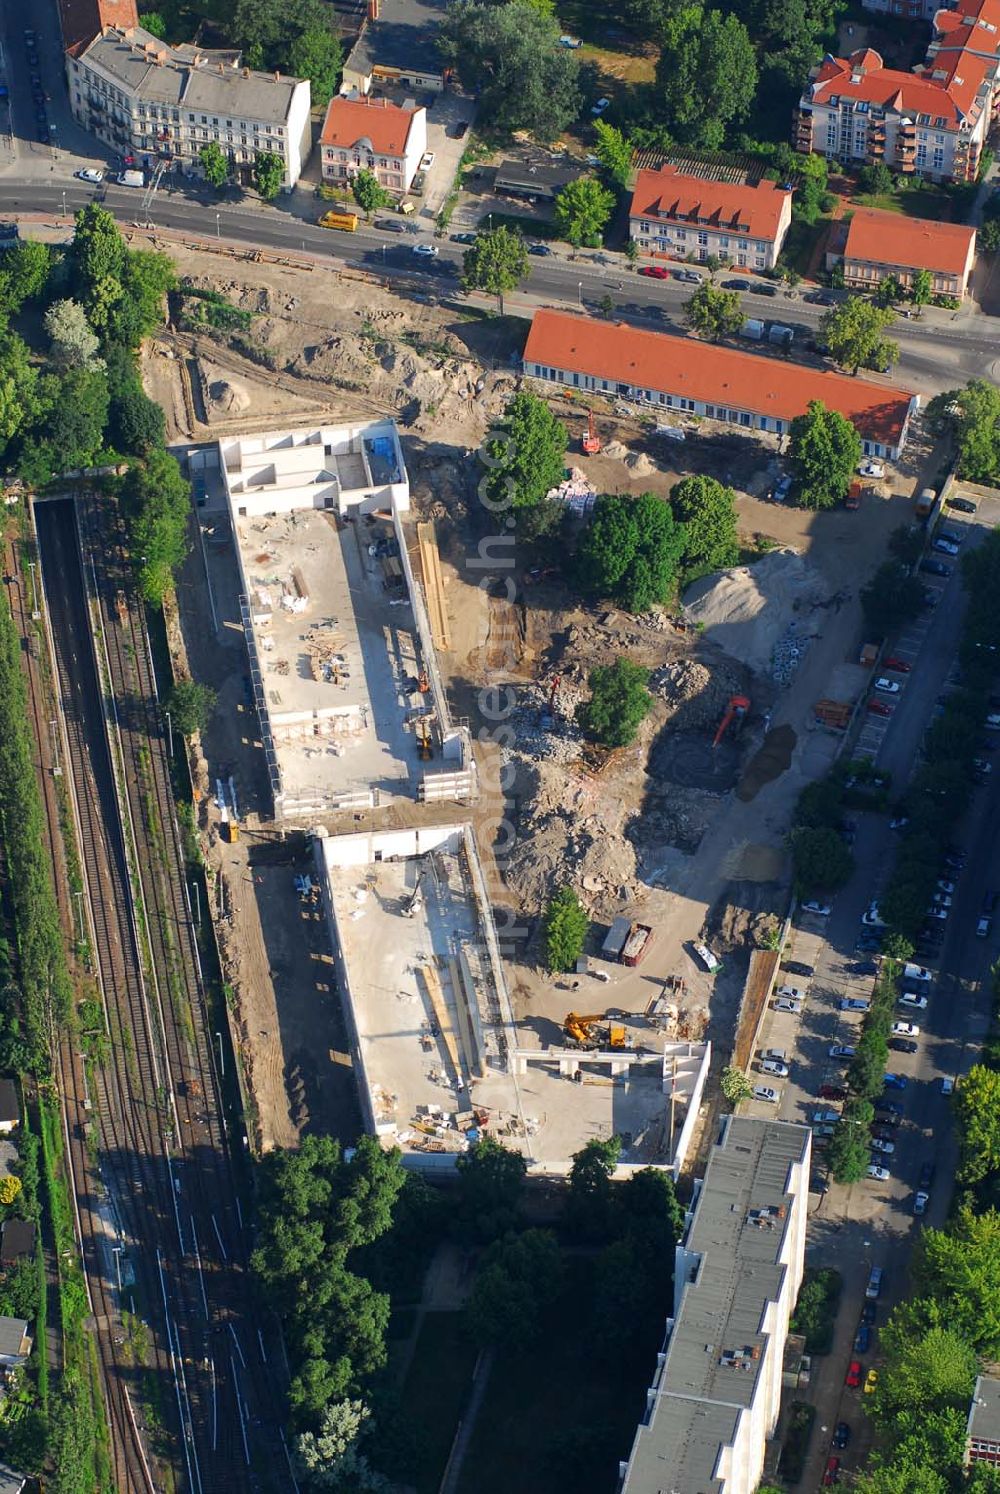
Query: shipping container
x,y
614,940
635,944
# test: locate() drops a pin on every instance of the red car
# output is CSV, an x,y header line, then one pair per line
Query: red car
x,y
832,1092
832,1473
656,272
879,708
899,665
853,1378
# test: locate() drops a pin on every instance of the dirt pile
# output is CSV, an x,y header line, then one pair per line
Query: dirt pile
x,y
696,694
744,919
749,611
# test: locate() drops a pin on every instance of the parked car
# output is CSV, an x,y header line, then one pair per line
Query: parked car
x,y
542,251
459,131
945,886
841,1435
798,967
600,106
945,547
962,505
889,1107
655,272
426,160
765,1093
872,468
830,1091
688,277
831,1473
428,251
786,1004
863,967
894,662
920,1201
457,238
984,927
886,1147
932,567
916,972
884,1133
853,1377
942,899
871,1380
90,174
935,912
879,708
902,1045
825,1117
735,285
905,1029
895,1081
774,1066
862,1339
821,910
781,489
854,1004
877,1173
796,993
841,1050
887,686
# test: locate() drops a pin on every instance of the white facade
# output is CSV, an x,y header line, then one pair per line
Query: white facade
x,y
345,468
361,145
162,103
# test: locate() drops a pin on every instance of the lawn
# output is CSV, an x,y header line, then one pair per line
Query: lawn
x,y
616,54
436,1391
916,203
800,245
557,1417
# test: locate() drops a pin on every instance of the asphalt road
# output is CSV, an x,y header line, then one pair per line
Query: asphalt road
x,y
872,1223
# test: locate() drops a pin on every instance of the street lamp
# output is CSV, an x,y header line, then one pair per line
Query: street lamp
x,y
218,230
64,201
579,293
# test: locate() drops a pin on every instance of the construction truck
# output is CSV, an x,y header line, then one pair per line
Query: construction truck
x,y
735,715
593,1031
591,441
635,944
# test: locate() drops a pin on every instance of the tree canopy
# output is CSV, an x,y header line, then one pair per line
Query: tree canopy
x,y
707,510
509,55
566,925
823,862
491,1183
214,164
972,417
714,313
630,551
618,704
156,502
526,460
706,76
496,263
824,451
268,174
891,597
369,193
582,209
854,332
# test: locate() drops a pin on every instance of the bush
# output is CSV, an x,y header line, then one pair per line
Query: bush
x,y
618,704
566,925
816,1309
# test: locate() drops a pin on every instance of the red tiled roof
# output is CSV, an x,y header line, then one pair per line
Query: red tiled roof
x,y
911,243
385,124
709,374
671,193
908,93
82,20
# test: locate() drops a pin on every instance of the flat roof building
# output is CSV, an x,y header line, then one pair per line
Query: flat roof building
x,y
436,1054
536,181
717,1392
698,378
345,681
982,1433
877,244
684,216
397,44
163,103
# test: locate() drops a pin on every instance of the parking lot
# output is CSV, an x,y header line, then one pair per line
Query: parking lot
x,y
873,1222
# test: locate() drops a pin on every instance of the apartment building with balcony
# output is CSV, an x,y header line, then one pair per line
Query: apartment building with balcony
x,y
362,133
932,122
716,1393
676,215
161,103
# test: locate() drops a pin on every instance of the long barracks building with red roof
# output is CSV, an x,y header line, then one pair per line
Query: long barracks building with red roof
x,y
688,377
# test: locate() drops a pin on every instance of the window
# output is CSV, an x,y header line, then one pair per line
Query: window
x,y
724,241
703,238
710,412
744,243
744,419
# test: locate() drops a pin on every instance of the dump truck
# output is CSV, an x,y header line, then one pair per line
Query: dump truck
x,y
853,499
347,222
635,944
614,941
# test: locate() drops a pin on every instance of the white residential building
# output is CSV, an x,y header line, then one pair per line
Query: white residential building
x,y
161,103
715,1398
372,134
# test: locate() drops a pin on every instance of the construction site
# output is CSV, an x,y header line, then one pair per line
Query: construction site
x,y
362,639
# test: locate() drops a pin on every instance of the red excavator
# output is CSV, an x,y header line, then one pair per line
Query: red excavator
x,y
735,715
591,441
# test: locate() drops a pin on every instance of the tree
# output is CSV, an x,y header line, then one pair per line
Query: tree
x,y
24,273
959,1267
10,1189
618,704
369,193
525,461
266,29
268,174
214,164
98,250
735,1086
820,805
972,416
847,1154
707,510
74,343
854,331
517,1278
147,276
370,1183
824,450
922,1372
590,1205
706,76
714,313
509,55
614,152
135,422
157,506
922,288
892,597
809,198
566,925
888,291
68,432
977,1118
876,180
630,551
18,388
339,1428
496,263
582,209
190,706
988,236
154,23
316,54
491,1182
822,860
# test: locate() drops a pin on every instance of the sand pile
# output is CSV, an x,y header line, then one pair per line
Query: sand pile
x,y
228,397
747,611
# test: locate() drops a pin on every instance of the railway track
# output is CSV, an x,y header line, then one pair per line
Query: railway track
x,y
130,1464
233,1407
